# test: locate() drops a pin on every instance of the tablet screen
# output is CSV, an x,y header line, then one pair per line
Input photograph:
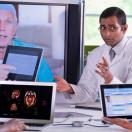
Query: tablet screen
x,y
117,100
21,62
26,60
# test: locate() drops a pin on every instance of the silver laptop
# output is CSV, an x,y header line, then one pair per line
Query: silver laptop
x,y
32,102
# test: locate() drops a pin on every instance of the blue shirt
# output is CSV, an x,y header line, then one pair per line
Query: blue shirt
x,y
44,71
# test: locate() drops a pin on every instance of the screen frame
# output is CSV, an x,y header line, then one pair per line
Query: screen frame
x,y
103,104
74,22
27,50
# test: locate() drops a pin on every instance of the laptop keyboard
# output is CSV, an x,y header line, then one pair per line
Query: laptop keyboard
x,y
35,124
33,128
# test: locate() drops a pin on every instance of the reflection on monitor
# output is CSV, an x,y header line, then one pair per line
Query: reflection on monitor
x,y
47,31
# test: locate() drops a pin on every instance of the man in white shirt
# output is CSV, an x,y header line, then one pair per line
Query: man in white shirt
x,y
101,67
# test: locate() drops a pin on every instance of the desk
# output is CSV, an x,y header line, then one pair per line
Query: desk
x,y
85,128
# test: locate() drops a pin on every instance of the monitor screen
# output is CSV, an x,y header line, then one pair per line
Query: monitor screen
x,y
46,31
57,27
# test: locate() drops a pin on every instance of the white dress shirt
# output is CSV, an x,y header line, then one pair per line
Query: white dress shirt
x,y
121,67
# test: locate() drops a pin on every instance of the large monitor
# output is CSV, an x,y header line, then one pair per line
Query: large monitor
x,y
57,27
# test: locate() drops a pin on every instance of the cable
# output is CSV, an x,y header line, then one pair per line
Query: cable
x,y
72,114
66,118
103,125
96,123
91,122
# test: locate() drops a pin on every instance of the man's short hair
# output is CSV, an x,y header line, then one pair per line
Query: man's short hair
x,y
114,11
10,8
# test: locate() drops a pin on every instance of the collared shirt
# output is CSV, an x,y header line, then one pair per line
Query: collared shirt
x,y
120,67
120,46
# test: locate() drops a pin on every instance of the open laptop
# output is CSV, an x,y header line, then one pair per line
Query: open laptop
x,y
31,102
116,100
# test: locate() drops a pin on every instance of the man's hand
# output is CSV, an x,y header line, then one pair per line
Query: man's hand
x,y
63,85
120,122
103,71
13,126
4,70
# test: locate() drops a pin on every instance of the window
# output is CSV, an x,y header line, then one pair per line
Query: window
x,y
93,9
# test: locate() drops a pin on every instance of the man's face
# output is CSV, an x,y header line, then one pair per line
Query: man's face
x,y
7,28
111,31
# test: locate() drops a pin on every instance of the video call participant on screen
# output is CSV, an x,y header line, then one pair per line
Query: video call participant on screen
x,y
8,27
101,66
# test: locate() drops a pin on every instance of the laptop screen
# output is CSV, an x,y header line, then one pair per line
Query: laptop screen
x,y
27,100
117,100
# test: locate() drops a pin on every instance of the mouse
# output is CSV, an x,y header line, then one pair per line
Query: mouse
x,y
77,124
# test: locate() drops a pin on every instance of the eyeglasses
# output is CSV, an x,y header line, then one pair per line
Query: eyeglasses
x,y
110,28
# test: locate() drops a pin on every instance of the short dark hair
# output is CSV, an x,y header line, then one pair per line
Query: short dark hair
x,y
114,11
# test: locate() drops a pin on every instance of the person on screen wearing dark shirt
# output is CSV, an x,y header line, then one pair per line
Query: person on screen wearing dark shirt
x,y
8,27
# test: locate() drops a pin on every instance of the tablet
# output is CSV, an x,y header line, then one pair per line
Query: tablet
x,y
116,100
25,59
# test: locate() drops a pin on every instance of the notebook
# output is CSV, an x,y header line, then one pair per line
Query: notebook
x,y
116,100
32,102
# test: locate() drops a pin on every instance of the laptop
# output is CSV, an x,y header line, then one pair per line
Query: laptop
x,y
116,100
31,102
90,106
25,59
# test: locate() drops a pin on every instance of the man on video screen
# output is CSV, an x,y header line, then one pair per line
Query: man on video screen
x,y
8,27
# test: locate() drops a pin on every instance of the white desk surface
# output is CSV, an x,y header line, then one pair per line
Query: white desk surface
x,y
85,128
